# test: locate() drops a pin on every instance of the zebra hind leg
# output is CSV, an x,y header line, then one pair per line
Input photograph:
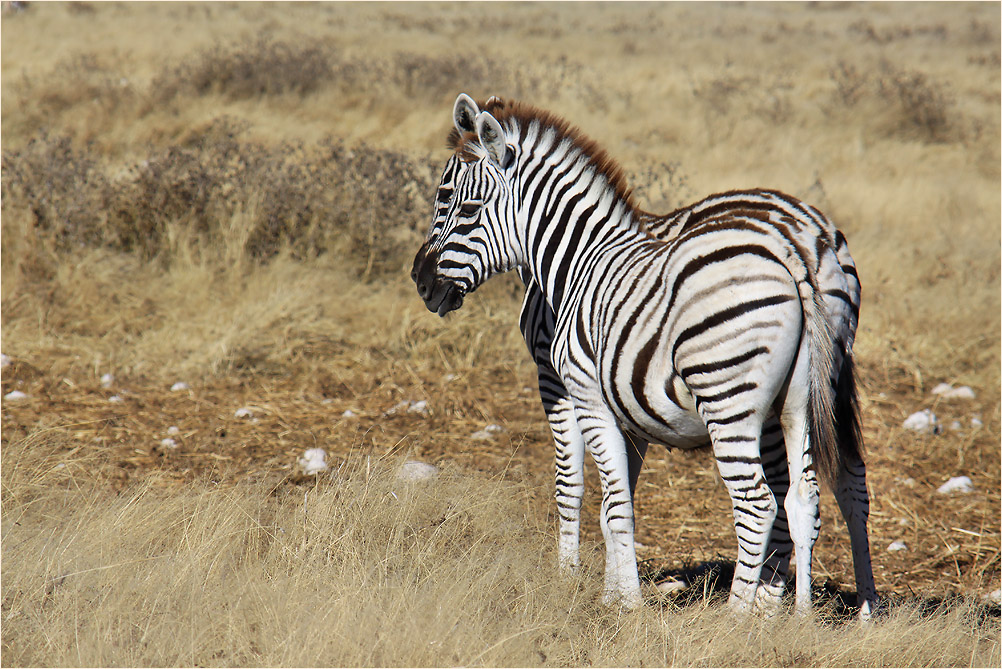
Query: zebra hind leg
x,y
769,595
736,450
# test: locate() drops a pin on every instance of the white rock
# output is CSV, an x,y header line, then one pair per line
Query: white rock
x,y
180,385
115,399
910,482
674,585
994,597
413,470
956,484
314,461
15,395
410,406
326,401
107,380
4,361
923,421
488,432
904,522
449,378
976,422
168,443
348,413
897,546
948,392
243,412
173,430
955,426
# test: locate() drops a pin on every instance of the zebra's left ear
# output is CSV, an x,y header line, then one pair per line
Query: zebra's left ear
x,y
492,139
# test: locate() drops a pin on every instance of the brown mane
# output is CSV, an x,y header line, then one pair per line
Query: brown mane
x,y
524,115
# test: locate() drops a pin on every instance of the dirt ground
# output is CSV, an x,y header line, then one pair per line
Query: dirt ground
x,y
682,508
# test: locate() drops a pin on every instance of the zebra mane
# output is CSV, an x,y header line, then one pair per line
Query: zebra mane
x,y
523,115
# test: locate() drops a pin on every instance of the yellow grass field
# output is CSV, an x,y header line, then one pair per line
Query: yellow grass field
x,y
230,195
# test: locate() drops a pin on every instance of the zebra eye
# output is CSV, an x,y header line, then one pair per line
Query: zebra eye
x,y
469,208
444,195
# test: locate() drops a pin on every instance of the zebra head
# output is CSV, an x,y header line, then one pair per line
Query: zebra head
x,y
461,249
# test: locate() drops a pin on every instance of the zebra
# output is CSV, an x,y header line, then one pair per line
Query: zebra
x,y
652,369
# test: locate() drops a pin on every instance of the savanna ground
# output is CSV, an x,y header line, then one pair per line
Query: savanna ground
x,y
230,195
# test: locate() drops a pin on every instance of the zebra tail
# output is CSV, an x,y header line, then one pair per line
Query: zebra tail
x,y
821,416
847,423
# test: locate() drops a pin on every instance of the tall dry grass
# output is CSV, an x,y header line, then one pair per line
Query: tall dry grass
x,y
362,569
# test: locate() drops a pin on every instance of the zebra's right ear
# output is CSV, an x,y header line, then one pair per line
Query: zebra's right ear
x,y
492,139
464,114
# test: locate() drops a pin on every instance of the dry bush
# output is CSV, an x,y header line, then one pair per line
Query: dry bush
x,y
908,103
309,200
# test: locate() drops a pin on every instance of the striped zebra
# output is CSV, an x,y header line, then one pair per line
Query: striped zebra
x,y
736,331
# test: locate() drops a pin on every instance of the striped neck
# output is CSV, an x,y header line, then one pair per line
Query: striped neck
x,y
569,211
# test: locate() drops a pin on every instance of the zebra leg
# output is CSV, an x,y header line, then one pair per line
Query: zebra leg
x,y
803,497
570,450
854,503
769,595
608,447
636,449
736,449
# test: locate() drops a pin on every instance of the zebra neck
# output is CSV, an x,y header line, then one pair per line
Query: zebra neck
x,y
576,233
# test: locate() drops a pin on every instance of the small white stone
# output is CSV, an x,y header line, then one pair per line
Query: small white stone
x,y
942,389
488,432
948,392
326,401
410,406
107,380
976,422
923,421
115,399
168,443
348,413
960,484
413,470
910,482
449,378
955,426
904,522
180,385
15,395
4,361
674,585
314,461
173,430
243,412
897,546
994,597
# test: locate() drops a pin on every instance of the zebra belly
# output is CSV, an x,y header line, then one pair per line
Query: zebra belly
x,y
673,427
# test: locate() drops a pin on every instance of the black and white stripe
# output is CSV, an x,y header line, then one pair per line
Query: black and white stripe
x,y
750,307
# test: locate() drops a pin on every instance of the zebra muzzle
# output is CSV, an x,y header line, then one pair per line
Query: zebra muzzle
x,y
439,295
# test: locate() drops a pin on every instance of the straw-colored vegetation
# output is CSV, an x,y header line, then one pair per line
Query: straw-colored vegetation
x,y
230,195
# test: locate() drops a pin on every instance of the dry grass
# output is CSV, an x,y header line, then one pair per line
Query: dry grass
x,y
230,195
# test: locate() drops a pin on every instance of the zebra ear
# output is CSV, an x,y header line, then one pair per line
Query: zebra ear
x,y
492,139
464,114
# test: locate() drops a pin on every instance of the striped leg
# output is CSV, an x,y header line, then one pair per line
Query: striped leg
x,y
608,447
772,583
854,503
736,449
570,450
802,500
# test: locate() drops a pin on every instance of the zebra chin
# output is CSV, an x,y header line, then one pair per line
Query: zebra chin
x,y
444,297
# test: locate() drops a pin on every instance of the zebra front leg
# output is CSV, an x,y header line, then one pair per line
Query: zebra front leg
x,y
854,503
608,447
569,468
